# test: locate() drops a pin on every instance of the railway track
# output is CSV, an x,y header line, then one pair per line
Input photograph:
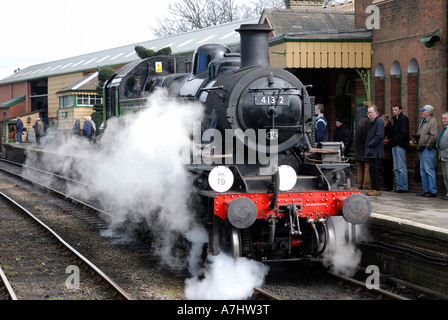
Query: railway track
x,y
47,254
6,291
129,261
16,170
261,294
377,293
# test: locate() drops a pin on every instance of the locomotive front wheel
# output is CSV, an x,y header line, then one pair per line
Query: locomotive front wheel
x,y
230,239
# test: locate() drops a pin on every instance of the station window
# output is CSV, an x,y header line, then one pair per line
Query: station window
x,y
66,102
88,99
381,1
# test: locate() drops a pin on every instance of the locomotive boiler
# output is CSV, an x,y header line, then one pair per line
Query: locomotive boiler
x,y
266,190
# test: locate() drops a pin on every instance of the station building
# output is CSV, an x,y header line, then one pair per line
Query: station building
x,y
52,90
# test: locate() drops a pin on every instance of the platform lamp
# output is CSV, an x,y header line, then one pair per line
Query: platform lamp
x,y
431,39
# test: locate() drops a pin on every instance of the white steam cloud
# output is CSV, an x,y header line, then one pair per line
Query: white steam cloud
x,y
224,277
137,171
342,257
227,279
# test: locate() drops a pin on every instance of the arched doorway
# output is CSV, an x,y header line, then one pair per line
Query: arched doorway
x,y
380,87
343,98
412,94
395,85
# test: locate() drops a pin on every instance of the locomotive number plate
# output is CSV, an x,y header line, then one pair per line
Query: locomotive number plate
x,y
264,100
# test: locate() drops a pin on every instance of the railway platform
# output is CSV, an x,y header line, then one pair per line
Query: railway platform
x,y
406,211
407,238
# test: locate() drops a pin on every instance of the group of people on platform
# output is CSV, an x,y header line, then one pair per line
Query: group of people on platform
x,y
380,139
88,130
40,129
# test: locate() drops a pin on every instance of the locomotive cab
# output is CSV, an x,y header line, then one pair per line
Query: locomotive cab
x,y
128,89
206,53
202,58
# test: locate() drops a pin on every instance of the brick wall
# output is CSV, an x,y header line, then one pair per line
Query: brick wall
x,y
412,101
395,92
13,90
402,25
379,93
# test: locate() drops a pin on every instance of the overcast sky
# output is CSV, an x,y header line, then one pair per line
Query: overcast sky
x,y
37,31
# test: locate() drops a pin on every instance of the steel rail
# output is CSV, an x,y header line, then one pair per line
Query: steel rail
x,y
103,276
22,165
363,285
60,194
8,287
268,295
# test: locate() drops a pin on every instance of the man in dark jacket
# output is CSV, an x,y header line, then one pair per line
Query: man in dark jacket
x,y
362,164
342,134
77,126
400,143
374,148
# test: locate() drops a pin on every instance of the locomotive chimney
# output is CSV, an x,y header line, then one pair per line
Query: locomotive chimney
x,y
254,45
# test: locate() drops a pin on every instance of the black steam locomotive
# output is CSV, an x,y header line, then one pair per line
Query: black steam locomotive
x,y
267,190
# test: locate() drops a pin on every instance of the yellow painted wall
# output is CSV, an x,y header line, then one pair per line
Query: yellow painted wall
x,y
277,55
67,123
26,124
321,55
29,125
55,84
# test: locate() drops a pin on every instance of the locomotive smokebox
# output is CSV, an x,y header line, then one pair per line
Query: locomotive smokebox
x,y
254,45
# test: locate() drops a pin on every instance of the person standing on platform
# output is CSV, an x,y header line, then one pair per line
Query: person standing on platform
x,y
362,164
77,126
388,174
322,131
93,128
40,132
87,129
36,131
374,150
19,130
429,132
442,145
342,134
400,143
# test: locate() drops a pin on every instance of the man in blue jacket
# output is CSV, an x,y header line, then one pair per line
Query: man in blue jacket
x,y
87,129
374,150
322,131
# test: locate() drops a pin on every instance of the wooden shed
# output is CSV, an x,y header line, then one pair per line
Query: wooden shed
x,y
8,125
